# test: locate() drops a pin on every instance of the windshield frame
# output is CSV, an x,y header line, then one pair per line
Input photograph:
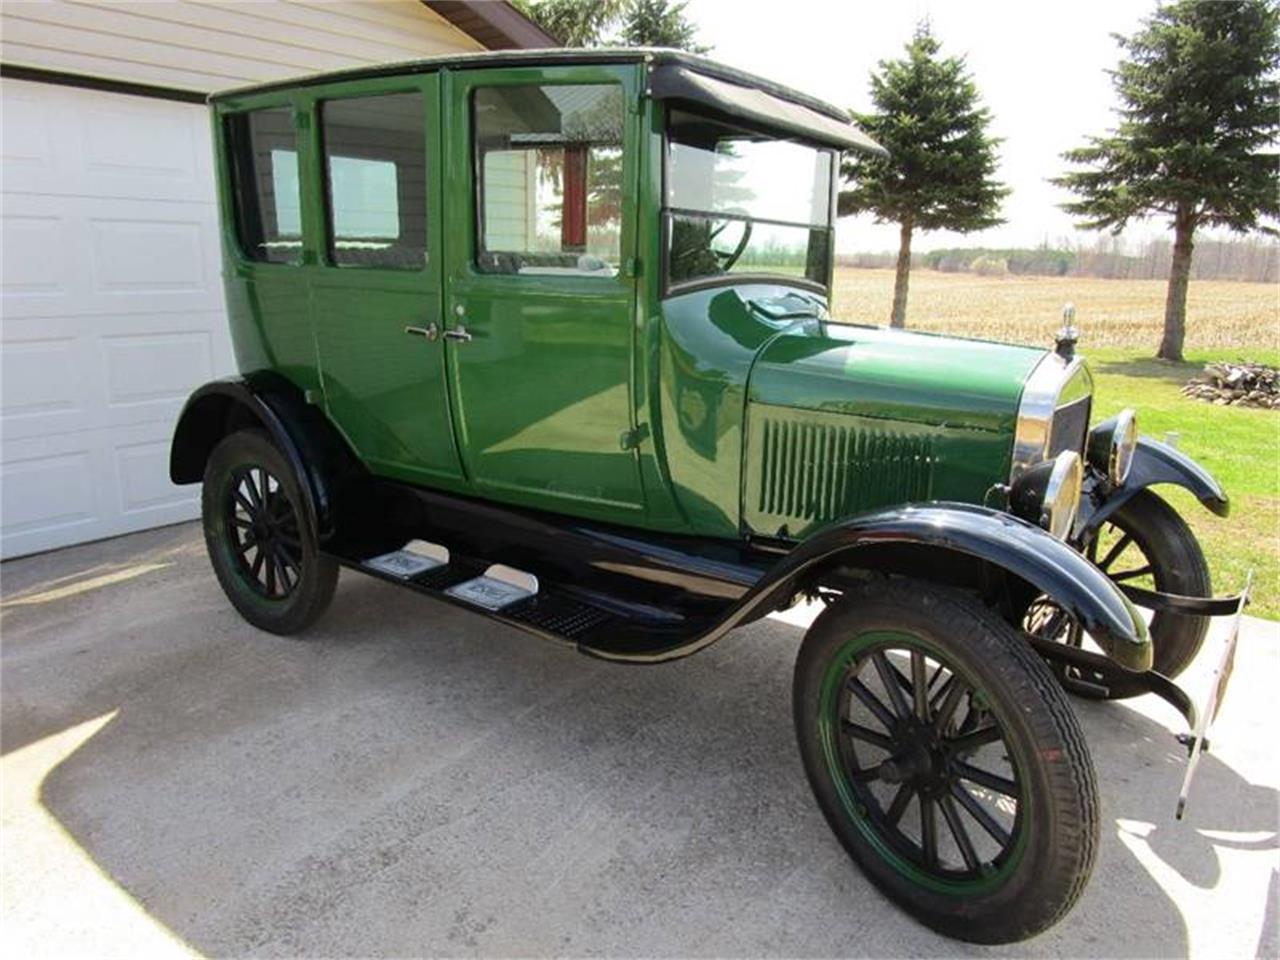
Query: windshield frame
x,y
667,212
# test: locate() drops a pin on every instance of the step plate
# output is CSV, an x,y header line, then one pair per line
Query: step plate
x,y
403,564
489,592
551,613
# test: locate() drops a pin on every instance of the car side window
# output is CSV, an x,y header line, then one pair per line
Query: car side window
x,y
375,164
549,179
268,207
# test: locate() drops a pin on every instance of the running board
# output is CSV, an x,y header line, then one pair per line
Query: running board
x,y
523,600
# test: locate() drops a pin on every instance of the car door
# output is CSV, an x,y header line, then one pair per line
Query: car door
x,y
540,302
376,290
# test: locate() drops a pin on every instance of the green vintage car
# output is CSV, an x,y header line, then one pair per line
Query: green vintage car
x,y
546,335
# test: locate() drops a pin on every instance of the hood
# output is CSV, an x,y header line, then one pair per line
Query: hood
x,y
893,375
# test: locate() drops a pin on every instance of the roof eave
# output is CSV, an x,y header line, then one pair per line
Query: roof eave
x,y
496,24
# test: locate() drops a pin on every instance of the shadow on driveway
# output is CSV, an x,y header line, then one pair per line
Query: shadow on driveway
x,y
411,779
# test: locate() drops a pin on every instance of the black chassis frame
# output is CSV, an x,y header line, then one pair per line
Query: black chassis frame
x,y
627,595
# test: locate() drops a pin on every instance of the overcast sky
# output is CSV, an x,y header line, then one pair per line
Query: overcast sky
x,y
1038,65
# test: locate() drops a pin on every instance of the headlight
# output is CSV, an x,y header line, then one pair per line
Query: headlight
x,y
1048,493
1111,445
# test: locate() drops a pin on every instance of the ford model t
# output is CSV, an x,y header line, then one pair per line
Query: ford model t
x,y
546,336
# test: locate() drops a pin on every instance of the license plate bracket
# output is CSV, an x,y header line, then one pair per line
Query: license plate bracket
x,y
1199,741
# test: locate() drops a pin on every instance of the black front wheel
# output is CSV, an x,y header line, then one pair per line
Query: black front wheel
x,y
1144,544
947,760
263,550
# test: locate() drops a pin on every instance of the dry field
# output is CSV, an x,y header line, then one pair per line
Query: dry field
x,y
1111,313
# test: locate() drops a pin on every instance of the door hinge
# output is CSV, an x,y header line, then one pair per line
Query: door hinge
x,y
631,268
631,439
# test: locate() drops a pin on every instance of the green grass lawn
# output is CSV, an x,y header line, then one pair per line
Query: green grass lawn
x,y
1239,446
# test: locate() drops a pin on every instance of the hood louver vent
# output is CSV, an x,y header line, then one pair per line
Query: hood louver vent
x,y
814,472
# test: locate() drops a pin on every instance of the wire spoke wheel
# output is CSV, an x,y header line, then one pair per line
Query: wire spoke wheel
x,y
262,524
1144,544
927,763
261,540
1120,554
946,759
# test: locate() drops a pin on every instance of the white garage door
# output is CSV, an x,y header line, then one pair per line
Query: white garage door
x,y
112,309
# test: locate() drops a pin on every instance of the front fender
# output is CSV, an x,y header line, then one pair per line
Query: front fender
x,y
1004,541
1049,565
1153,462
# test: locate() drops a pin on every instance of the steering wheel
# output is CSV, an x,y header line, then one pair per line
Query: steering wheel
x,y
726,259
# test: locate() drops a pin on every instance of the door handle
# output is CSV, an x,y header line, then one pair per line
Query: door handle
x,y
459,334
431,331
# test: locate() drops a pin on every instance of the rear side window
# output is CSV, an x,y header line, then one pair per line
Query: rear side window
x,y
264,158
549,175
376,170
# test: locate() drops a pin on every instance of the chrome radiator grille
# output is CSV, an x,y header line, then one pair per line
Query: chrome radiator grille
x,y
1070,425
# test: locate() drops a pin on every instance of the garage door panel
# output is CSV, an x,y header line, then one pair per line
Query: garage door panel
x,y
34,259
106,371
28,149
146,495
164,163
51,381
121,256
71,488
40,377
112,309
71,142
147,256
48,492
146,369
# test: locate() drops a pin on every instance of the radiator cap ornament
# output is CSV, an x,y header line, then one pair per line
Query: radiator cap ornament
x,y
1064,342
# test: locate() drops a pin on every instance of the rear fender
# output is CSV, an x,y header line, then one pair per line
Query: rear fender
x,y
315,450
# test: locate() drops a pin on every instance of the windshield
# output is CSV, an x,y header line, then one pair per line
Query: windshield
x,y
740,202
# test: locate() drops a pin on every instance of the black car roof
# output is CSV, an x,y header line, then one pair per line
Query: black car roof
x,y
553,57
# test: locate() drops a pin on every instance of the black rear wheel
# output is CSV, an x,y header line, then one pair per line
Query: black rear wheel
x,y
947,760
263,550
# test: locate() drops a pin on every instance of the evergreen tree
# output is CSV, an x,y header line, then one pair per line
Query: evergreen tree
x,y
659,23
1199,117
643,23
575,23
939,172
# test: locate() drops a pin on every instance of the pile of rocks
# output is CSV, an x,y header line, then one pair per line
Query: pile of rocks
x,y
1237,385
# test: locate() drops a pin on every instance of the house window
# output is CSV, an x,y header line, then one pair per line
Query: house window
x,y
264,156
549,161
376,170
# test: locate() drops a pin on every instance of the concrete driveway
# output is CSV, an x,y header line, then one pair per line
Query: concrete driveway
x,y
410,779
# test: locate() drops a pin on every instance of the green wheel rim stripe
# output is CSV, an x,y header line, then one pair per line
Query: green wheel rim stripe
x,y
829,710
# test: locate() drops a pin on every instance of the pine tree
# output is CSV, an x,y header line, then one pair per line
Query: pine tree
x,y
1199,117
588,23
659,23
574,23
941,163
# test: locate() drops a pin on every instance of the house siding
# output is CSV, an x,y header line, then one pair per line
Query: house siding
x,y
206,45
510,194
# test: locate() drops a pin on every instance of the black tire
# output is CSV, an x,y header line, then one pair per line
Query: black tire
x,y
1037,857
1178,566
263,550
1146,534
